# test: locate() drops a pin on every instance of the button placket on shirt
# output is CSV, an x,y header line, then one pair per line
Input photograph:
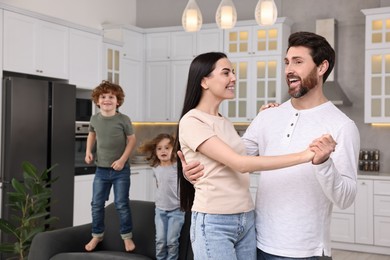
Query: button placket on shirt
x,y
290,128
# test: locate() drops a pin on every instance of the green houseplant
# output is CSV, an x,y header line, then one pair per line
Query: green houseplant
x,y
29,204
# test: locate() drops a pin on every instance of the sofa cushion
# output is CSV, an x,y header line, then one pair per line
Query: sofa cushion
x,y
104,255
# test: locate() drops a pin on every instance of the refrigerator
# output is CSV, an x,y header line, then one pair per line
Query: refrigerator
x,y
38,125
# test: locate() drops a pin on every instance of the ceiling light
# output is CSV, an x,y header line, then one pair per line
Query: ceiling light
x,y
192,17
266,12
226,15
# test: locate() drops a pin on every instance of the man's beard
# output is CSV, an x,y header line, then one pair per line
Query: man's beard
x,y
306,85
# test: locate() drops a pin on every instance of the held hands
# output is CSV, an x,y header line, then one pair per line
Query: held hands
x,y
323,147
191,171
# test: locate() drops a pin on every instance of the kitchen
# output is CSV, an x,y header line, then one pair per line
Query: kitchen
x,y
146,14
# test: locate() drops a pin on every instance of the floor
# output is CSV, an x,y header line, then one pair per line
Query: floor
x,y
348,255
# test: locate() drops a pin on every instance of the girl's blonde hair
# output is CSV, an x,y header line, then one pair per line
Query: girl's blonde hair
x,y
149,148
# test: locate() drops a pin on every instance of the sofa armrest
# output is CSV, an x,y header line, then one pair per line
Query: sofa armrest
x,y
47,244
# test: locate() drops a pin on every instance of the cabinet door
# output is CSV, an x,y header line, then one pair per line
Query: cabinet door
x,y
53,50
19,43
141,183
112,60
158,96
82,199
183,45
131,81
382,231
35,47
133,45
364,212
377,86
179,77
85,59
208,40
157,46
342,228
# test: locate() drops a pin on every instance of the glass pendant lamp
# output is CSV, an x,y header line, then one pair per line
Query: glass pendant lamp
x,y
192,17
226,15
266,12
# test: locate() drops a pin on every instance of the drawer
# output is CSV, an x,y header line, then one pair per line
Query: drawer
x,y
382,187
382,205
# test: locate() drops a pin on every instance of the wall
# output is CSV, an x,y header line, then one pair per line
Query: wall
x,y
350,30
89,13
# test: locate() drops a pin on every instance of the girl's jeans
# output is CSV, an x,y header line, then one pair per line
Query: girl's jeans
x,y
168,228
261,255
120,180
223,236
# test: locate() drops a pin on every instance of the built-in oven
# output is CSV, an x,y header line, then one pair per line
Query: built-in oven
x,y
81,134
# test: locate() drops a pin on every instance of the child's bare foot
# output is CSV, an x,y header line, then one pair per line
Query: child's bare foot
x,y
129,244
93,243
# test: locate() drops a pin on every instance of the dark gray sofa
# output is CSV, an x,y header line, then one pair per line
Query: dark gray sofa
x,y
68,243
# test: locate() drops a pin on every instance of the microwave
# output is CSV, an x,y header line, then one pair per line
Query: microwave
x,y
83,109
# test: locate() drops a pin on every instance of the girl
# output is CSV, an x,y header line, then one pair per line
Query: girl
x,y
169,218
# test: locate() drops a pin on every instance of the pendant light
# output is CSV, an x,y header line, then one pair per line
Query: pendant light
x,y
192,17
226,15
266,12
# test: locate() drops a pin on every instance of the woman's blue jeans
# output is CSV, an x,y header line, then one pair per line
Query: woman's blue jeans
x,y
105,178
223,236
168,228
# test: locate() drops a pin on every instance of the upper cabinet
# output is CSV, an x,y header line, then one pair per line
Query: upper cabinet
x,y
257,54
85,58
34,46
377,66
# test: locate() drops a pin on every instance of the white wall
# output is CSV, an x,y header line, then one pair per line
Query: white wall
x,y
89,13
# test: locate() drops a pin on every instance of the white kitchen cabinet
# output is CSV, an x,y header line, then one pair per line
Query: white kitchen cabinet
x,y
377,66
382,213
364,209
175,45
365,226
34,46
143,185
83,188
111,62
258,82
85,58
257,54
133,45
132,80
165,89
209,40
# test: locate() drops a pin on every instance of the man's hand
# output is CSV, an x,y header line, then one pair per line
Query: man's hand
x,y
264,107
323,147
192,171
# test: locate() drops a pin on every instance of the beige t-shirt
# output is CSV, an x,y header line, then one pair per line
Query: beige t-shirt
x,y
221,190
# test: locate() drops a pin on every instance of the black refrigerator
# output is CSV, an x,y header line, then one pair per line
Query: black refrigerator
x,y
38,124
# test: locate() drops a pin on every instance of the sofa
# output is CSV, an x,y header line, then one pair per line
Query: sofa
x,y
68,243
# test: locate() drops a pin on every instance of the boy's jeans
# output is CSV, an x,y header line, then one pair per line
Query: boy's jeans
x,y
120,180
168,228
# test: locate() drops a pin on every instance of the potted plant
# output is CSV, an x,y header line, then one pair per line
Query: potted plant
x,y
29,203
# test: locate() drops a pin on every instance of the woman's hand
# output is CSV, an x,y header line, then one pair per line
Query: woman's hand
x,y
264,107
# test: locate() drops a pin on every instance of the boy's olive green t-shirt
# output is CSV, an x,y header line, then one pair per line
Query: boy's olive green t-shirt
x,y
111,137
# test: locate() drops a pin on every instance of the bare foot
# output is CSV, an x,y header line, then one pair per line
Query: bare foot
x,y
93,243
129,244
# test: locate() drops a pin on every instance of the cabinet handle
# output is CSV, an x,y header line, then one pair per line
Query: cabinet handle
x,y
134,173
363,183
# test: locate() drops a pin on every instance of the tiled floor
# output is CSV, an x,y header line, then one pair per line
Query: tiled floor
x,y
347,255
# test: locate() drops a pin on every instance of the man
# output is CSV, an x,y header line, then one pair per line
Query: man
x,y
294,204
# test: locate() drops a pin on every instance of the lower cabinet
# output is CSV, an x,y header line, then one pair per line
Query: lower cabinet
x,y
142,187
365,226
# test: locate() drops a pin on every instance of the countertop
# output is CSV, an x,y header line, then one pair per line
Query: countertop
x,y
373,176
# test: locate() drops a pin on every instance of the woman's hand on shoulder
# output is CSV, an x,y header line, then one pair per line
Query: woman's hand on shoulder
x,y
269,105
